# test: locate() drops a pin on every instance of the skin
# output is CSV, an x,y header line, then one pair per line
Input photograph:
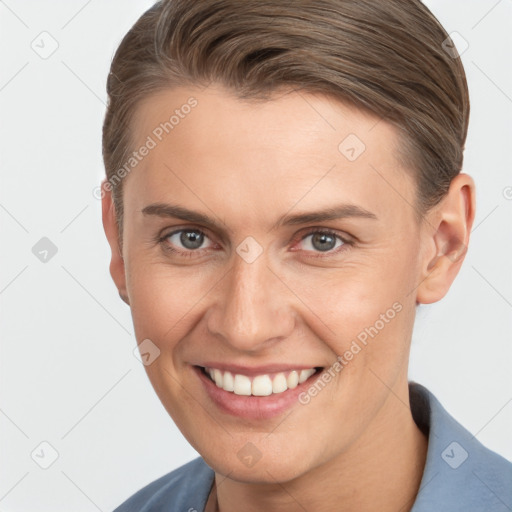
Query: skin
x,y
246,165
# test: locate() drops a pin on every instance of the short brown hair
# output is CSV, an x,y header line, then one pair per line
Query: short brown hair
x,y
386,57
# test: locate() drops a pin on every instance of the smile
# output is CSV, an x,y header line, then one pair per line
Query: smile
x,y
258,385
256,394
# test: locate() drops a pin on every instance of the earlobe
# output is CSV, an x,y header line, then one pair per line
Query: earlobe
x,y
117,268
124,298
449,228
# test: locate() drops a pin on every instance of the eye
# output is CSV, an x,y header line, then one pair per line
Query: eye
x,y
188,239
323,241
189,242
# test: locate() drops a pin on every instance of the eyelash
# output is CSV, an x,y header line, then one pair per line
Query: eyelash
x,y
192,253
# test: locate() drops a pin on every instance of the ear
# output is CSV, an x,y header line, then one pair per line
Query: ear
x,y
447,232
117,270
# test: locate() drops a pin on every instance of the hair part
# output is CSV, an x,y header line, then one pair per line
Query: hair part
x,y
386,58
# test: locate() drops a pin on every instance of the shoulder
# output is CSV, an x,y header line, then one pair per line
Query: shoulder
x,y
186,488
460,472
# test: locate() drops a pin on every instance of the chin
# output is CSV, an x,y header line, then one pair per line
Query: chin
x,y
266,470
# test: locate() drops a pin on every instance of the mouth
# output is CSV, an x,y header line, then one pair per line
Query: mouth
x,y
257,396
265,384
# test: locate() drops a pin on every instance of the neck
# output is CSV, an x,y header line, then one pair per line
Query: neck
x,y
382,469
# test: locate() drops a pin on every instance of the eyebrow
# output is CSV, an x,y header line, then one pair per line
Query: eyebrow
x,y
331,213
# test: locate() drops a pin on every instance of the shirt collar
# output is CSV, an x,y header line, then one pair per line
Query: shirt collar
x,y
460,473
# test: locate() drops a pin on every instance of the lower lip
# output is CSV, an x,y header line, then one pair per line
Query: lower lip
x,y
253,407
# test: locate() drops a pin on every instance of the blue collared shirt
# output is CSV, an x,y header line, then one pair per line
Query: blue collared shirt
x,y
460,473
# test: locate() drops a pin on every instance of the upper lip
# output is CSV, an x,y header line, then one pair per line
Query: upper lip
x,y
256,370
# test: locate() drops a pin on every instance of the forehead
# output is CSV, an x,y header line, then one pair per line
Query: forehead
x,y
243,155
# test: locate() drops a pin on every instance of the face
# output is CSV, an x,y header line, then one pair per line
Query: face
x,y
260,239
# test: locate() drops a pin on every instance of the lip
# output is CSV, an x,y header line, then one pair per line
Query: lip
x,y
252,407
252,371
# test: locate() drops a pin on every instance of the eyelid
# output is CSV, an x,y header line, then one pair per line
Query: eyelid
x,y
347,244
166,233
161,240
345,237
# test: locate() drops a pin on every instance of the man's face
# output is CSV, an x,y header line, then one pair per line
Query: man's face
x,y
262,291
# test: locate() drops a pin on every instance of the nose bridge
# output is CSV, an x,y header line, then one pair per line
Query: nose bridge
x,y
251,310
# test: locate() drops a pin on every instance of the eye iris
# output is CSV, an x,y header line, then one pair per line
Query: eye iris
x,y
191,239
323,241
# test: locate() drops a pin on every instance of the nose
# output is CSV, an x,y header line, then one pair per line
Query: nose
x,y
252,308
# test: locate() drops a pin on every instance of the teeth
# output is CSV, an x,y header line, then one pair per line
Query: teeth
x,y
242,385
279,383
261,385
305,374
292,380
228,383
217,377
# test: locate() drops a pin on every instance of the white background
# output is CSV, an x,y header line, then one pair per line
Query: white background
x,y
68,375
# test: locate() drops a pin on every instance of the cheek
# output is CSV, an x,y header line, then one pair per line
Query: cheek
x,y
364,314
347,300
163,300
